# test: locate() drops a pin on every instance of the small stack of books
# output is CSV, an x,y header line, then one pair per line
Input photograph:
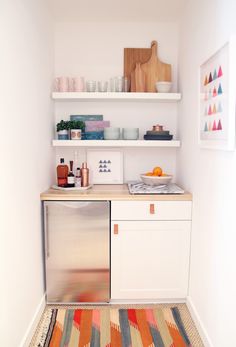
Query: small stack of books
x,y
94,126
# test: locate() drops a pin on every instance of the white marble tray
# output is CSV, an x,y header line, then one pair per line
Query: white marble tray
x,y
71,188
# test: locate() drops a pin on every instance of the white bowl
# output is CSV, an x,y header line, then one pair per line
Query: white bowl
x,y
156,180
163,87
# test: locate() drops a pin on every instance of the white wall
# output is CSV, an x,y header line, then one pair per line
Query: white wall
x,y
210,176
26,65
95,50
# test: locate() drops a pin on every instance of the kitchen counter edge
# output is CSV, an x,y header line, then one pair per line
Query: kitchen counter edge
x,y
110,192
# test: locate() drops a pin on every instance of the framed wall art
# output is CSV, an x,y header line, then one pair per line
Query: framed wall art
x,y
106,166
217,99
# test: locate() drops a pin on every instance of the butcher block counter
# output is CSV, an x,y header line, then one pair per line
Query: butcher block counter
x,y
110,192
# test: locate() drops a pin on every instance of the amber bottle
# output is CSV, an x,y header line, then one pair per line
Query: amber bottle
x,y
62,173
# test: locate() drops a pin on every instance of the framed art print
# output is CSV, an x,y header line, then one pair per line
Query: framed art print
x,y
217,99
106,166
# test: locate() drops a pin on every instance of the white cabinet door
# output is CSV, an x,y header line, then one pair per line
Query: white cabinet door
x,y
150,259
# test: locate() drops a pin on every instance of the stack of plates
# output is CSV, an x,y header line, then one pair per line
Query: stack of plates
x,y
158,135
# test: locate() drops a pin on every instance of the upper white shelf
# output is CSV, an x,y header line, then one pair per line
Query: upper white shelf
x,y
115,143
89,96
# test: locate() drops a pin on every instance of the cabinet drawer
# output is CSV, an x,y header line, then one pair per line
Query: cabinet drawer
x,y
151,210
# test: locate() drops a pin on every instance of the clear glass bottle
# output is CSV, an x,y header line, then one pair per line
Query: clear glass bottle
x,y
62,174
78,178
71,176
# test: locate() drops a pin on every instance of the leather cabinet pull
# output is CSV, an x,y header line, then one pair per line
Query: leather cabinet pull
x,y
152,209
115,228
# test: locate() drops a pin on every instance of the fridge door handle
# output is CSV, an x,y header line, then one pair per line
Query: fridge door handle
x,y
46,231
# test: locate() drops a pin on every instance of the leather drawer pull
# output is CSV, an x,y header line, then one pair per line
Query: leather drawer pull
x,y
152,209
115,228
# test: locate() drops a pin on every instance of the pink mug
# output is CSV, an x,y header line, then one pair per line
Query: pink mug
x,y
62,84
78,84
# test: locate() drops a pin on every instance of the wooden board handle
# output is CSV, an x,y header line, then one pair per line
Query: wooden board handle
x,y
154,48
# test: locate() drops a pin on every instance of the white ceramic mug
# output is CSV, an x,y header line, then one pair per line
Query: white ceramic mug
x,y
78,84
62,84
71,85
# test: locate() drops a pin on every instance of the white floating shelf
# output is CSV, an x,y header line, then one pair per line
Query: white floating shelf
x,y
86,96
115,143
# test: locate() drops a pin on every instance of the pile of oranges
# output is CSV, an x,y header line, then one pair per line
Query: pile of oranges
x,y
157,171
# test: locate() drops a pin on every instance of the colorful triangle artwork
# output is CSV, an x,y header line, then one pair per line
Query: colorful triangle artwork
x,y
209,111
215,75
206,81
214,92
219,126
220,73
214,126
206,128
220,91
210,78
214,109
209,126
219,108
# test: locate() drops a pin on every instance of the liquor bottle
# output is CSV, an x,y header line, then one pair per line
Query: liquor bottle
x,y
62,174
71,176
78,178
84,175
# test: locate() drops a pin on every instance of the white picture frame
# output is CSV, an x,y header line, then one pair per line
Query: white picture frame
x,y
217,90
106,166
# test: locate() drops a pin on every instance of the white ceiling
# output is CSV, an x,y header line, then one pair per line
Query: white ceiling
x,y
119,10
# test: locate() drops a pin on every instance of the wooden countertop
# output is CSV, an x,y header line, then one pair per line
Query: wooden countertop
x,y
109,192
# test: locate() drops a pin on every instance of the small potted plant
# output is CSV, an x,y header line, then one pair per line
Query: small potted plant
x,y
76,129
63,130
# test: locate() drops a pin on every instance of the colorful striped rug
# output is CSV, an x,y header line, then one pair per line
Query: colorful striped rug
x,y
158,327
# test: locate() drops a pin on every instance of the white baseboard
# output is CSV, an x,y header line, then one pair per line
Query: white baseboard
x,y
146,302
198,322
33,323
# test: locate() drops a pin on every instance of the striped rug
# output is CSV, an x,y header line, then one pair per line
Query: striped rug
x,y
158,327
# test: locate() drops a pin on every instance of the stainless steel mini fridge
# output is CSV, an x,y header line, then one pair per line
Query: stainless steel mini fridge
x,y
77,252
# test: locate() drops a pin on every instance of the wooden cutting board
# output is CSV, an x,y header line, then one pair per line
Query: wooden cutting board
x,y
133,56
138,79
155,70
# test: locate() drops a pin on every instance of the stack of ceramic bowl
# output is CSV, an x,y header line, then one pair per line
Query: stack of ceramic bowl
x,y
111,133
130,133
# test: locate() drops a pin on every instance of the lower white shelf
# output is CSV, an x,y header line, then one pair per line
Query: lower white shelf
x,y
114,143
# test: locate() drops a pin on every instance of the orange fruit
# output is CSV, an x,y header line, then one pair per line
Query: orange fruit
x,y
148,174
157,171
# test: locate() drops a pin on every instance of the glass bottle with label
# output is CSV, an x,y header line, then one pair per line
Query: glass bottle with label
x,y
62,174
78,178
71,176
